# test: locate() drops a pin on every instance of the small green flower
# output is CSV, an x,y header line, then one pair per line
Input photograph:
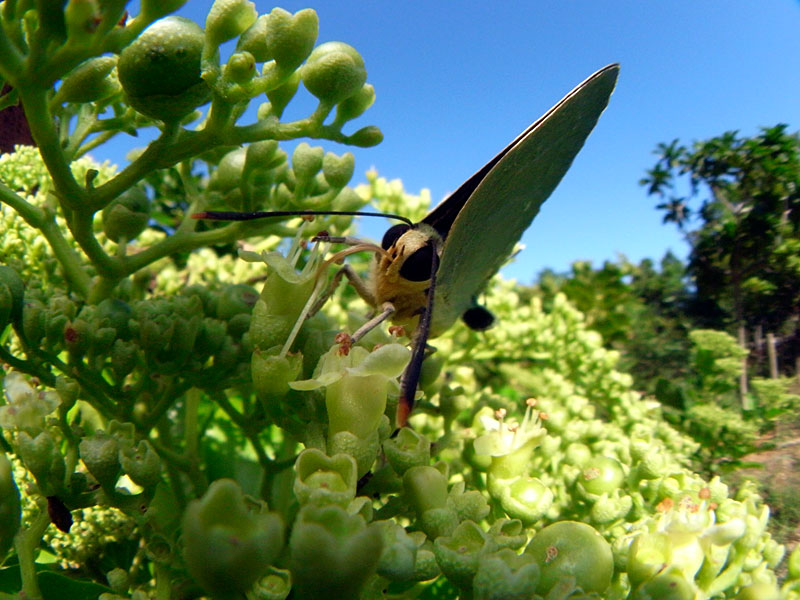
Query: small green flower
x,y
285,299
332,553
356,385
325,480
229,545
503,438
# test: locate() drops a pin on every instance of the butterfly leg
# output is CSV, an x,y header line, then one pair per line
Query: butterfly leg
x,y
387,310
361,287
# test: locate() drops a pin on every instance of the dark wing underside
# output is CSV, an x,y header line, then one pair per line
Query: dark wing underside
x,y
484,218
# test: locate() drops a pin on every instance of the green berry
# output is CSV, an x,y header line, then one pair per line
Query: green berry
x,y
333,72
160,71
572,549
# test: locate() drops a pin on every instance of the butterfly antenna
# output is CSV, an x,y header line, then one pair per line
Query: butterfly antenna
x,y
408,388
217,215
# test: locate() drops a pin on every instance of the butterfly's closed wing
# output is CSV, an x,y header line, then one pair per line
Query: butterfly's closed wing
x,y
483,220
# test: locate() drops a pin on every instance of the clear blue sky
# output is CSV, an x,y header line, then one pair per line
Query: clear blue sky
x,y
456,81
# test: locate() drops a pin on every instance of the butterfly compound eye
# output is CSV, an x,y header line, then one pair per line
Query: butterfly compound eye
x,y
417,267
393,234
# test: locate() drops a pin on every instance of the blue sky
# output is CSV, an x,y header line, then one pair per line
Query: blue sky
x,y
456,81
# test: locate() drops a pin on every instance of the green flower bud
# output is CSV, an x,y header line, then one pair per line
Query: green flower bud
x,y
127,216
235,299
160,70
124,357
577,454
227,357
100,454
363,450
275,585
227,19
68,391
55,327
102,340
338,170
254,40
506,575
90,81
13,298
141,463
113,312
333,72
227,546
754,591
118,580
228,174
354,106
183,338
263,156
280,96
670,585
469,506
307,161
407,449
425,488
332,553
366,137
33,321
325,480
78,337
610,508
508,533
460,555
272,373
438,522
10,513
43,459
398,559
572,549
290,38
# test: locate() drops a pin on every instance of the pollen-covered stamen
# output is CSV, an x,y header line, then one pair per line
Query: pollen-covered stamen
x,y
345,342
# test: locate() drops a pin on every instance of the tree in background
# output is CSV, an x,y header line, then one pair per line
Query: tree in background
x,y
741,215
642,311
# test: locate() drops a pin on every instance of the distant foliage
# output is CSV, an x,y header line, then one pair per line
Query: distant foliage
x,y
740,212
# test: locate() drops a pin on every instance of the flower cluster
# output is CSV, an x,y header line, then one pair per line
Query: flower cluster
x,y
212,412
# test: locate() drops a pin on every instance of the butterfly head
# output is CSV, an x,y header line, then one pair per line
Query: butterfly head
x,y
402,274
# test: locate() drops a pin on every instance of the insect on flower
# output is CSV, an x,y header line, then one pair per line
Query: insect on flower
x,y
430,273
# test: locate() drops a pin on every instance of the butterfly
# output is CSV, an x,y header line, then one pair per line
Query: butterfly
x,y
431,272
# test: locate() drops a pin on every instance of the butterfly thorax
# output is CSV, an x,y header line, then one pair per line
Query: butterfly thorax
x,y
402,275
